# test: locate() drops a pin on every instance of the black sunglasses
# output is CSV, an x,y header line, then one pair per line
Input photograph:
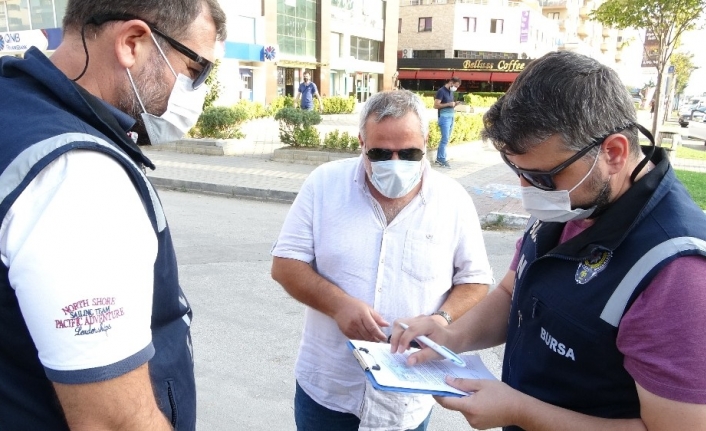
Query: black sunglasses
x,y
544,180
206,65
382,154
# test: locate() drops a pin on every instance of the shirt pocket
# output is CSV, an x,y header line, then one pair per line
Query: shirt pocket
x,y
422,254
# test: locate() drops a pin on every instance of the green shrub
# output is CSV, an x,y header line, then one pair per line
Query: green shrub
x,y
331,140
489,93
466,128
279,103
337,105
428,100
296,127
220,122
479,101
214,86
341,141
254,109
307,137
345,141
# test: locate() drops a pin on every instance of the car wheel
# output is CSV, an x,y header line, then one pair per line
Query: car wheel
x,y
684,124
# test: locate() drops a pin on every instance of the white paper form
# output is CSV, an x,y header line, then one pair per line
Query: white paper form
x,y
393,371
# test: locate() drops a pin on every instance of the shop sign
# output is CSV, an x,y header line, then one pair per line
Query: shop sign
x,y
20,41
495,65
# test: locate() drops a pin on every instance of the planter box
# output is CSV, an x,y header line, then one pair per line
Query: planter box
x,y
309,156
210,147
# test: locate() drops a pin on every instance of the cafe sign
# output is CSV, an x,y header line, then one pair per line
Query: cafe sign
x,y
495,65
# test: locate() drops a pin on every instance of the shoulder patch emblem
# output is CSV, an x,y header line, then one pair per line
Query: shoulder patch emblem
x,y
589,268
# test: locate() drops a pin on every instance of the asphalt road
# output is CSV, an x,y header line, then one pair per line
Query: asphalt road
x,y
246,329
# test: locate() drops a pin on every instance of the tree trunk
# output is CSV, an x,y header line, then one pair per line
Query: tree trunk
x,y
658,113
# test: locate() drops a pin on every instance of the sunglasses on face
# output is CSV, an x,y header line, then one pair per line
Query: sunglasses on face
x,y
382,154
544,180
206,65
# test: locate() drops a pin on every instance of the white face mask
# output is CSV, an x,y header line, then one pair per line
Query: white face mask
x,y
555,205
453,88
183,108
395,178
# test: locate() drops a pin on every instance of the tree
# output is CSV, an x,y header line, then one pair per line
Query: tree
x,y
214,86
683,66
666,20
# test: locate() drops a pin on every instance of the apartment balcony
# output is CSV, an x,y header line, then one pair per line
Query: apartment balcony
x,y
553,5
584,12
618,56
606,32
619,46
604,47
582,31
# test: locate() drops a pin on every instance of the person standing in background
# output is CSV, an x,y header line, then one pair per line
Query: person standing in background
x,y
445,103
307,91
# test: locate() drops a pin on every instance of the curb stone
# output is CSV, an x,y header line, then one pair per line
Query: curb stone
x,y
504,220
279,196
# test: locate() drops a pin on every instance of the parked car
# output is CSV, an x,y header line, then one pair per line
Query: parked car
x,y
694,104
697,126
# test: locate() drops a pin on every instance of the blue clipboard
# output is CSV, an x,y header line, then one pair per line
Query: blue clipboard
x,y
368,368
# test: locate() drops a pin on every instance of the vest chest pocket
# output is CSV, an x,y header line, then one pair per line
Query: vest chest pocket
x,y
425,256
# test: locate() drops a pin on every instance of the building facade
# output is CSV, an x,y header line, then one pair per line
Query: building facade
x,y
486,43
346,45
618,49
25,23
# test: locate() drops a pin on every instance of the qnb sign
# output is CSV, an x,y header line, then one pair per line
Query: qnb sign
x,y
20,41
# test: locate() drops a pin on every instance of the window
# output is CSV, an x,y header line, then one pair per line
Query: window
x,y
469,24
366,49
425,24
42,14
428,53
244,29
60,9
335,45
496,26
3,18
296,27
399,25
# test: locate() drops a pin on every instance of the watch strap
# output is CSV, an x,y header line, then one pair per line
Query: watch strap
x,y
443,314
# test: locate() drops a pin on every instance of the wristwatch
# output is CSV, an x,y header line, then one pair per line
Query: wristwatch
x,y
443,314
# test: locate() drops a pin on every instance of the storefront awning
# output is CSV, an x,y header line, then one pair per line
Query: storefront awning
x,y
503,77
472,76
407,74
434,74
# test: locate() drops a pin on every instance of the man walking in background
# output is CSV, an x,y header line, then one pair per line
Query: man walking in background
x,y
445,103
307,91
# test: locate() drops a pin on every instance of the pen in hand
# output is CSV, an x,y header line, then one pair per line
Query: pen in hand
x,y
443,351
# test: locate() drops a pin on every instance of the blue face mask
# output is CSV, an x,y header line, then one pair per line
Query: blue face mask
x,y
395,178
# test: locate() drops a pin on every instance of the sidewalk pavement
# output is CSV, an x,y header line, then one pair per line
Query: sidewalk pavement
x,y
252,174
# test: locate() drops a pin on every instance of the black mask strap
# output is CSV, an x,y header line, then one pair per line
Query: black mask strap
x,y
647,157
85,49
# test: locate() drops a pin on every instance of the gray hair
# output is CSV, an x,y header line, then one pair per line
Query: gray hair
x,y
173,17
395,104
562,93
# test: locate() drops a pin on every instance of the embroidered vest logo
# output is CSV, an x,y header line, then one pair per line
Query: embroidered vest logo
x,y
589,268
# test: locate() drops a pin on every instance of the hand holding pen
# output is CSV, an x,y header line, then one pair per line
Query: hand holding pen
x,y
402,339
